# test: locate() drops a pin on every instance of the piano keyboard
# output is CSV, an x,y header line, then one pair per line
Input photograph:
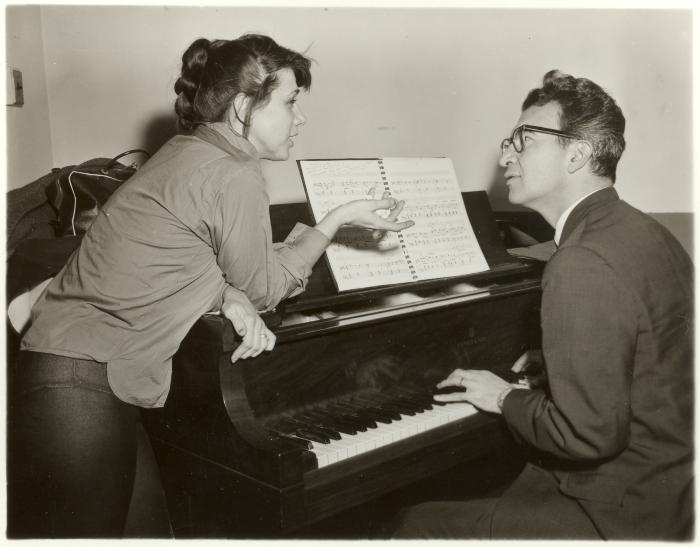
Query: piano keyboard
x,y
352,445
339,431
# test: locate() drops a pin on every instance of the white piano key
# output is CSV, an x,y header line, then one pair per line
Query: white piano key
x,y
346,446
379,436
321,455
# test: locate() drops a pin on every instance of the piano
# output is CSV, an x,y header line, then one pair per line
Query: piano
x,y
342,410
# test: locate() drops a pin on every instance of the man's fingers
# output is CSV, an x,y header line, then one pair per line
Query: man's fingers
x,y
520,363
451,397
448,382
454,379
271,339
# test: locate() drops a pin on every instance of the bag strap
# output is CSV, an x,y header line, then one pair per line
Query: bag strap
x,y
114,160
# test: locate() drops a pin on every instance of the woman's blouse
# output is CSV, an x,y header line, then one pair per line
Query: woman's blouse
x,y
192,221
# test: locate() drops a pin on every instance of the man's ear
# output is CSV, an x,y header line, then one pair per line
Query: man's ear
x,y
580,153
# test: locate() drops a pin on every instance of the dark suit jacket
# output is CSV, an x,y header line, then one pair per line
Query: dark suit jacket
x,y
615,429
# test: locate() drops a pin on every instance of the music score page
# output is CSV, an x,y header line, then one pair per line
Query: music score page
x,y
440,244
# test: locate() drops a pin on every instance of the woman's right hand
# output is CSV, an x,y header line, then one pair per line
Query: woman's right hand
x,y
248,324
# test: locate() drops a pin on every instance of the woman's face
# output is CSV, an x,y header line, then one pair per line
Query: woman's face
x,y
273,126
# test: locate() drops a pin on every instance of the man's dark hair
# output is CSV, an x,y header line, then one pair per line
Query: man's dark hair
x,y
588,112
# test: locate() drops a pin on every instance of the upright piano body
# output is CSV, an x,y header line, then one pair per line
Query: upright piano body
x,y
227,473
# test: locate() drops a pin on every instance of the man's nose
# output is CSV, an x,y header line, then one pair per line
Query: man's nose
x,y
507,156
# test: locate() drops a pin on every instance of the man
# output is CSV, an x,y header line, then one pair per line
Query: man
x,y
611,432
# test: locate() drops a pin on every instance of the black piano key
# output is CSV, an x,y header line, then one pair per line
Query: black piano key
x,y
309,425
369,418
400,401
346,414
288,437
343,419
357,423
389,413
398,407
291,426
282,427
383,400
376,414
422,399
381,414
405,411
310,435
408,402
322,420
414,405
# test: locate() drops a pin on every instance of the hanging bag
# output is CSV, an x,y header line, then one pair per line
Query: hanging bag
x,y
79,191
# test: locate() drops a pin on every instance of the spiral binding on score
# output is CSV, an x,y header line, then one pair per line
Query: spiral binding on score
x,y
385,183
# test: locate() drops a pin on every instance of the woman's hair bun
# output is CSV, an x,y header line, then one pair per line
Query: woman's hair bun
x,y
194,60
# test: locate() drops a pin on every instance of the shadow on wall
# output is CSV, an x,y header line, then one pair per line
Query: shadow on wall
x,y
498,191
158,131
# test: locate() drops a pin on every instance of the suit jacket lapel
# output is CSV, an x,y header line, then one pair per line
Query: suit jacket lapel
x,y
607,195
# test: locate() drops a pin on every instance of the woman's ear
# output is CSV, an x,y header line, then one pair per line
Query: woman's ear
x,y
237,112
580,153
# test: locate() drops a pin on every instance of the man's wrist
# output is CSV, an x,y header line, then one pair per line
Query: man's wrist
x,y
502,397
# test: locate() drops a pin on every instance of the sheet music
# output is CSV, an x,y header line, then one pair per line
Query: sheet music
x,y
356,258
441,244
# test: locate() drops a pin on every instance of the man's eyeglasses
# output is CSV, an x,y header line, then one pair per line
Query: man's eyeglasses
x,y
516,139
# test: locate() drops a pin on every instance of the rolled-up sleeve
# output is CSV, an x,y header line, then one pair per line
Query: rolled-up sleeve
x,y
241,236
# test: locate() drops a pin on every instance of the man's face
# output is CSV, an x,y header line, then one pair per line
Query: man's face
x,y
535,176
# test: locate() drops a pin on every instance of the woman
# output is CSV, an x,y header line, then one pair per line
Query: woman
x,y
188,234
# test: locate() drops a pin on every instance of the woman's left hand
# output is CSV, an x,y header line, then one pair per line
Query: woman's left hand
x,y
363,213
248,324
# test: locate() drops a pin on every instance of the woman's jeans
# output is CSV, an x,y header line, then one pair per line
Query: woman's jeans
x,y
72,450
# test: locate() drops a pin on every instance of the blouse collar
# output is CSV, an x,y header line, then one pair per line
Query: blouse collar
x,y
222,135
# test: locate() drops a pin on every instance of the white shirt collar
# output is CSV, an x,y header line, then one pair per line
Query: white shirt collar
x,y
559,227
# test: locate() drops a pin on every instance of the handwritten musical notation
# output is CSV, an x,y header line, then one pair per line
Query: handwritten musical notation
x,y
440,244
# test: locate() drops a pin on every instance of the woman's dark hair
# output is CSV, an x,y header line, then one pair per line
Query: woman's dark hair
x,y
588,112
214,72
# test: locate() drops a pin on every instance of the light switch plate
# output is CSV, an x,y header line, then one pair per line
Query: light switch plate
x,y
14,87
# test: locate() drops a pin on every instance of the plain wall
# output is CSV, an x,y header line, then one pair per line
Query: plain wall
x,y
387,82
29,153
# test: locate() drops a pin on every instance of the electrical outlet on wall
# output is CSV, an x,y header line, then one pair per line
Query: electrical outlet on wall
x,y
14,88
